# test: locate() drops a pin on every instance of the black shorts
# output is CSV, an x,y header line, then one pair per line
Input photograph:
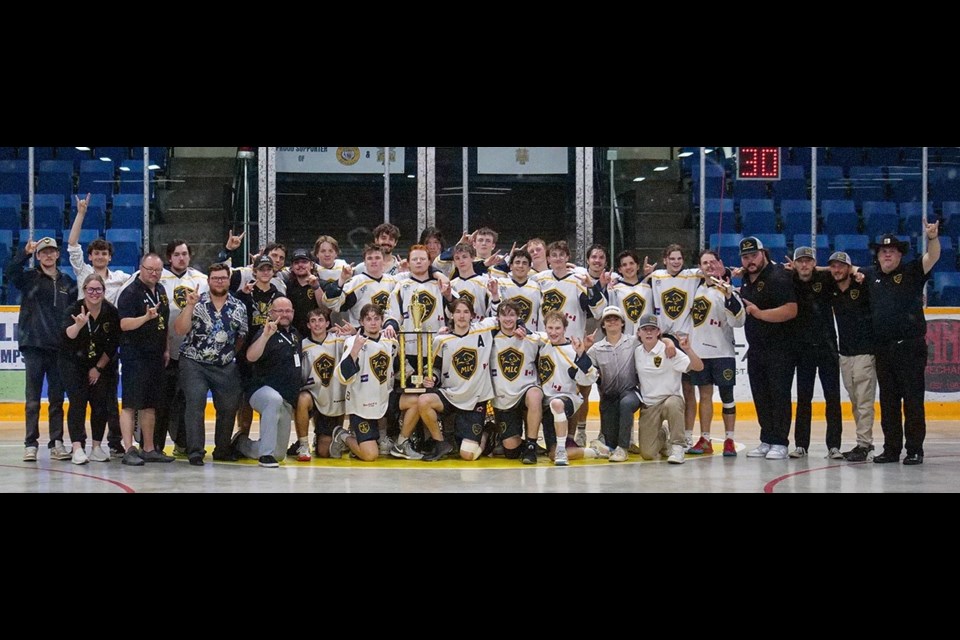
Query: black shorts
x,y
468,423
510,421
719,371
549,431
364,430
140,378
324,425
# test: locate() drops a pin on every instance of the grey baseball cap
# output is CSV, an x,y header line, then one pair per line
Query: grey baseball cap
x,y
805,252
840,256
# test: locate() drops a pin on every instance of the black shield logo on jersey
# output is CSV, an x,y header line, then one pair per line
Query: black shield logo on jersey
x,y
510,362
545,368
553,300
429,303
854,294
309,293
674,301
379,363
700,310
323,367
633,304
382,300
180,295
525,307
465,362
657,361
469,298
817,287
897,279
760,285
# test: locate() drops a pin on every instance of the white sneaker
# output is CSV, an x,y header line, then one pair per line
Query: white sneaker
x,y
834,454
303,453
601,448
60,452
778,452
799,452
618,455
687,443
30,454
760,451
386,443
97,454
580,437
676,454
560,457
79,456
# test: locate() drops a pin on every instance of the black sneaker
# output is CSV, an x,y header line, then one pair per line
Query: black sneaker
x,y
913,458
293,450
858,453
440,451
155,456
887,456
225,456
529,453
269,461
117,451
196,461
132,458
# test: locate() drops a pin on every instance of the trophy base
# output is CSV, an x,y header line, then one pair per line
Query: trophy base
x,y
415,390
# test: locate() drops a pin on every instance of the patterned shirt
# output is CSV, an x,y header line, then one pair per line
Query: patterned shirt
x,y
213,334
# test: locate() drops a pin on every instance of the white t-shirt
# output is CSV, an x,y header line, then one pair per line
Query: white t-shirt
x,y
659,375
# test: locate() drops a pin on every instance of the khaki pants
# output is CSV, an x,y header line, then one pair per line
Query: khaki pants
x,y
859,375
652,438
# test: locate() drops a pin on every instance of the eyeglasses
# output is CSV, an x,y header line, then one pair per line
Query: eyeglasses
x,y
148,269
94,292
219,278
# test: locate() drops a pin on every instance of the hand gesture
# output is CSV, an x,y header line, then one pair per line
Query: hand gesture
x,y
494,288
586,280
82,205
493,260
859,277
312,281
684,341
520,331
647,267
81,318
588,341
270,328
390,333
153,312
737,272
750,308
345,329
577,344
445,288
248,287
670,349
255,256
346,273
31,246
515,248
358,344
233,242
606,278
933,230
192,297
788,264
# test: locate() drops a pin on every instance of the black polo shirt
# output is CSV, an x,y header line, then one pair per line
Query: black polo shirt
x,y
896,302
279,366
773,288
813,325
151,338
303,297
852,310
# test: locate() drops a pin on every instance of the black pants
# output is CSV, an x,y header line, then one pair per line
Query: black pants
x,y
771,379
900,371
811,360
40,363
80,392
170,409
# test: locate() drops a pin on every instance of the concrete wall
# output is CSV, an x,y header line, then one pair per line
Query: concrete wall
x,y
205,152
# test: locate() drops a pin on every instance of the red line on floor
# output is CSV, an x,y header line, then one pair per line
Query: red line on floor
x,y
768,488
125,488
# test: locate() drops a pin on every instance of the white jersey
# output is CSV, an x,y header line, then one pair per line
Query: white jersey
x,y
473,289
115,279
391,268
177,288
319,362
526,296
713,321
672,298
465,365
633,300
568,296
554,367
513,368
427,292
332,274
358,291
369,379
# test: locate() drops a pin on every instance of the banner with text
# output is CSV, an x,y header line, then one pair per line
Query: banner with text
x,y
338,160
9,335
522,160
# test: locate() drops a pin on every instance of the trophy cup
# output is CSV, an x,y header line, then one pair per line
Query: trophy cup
x,y
418,312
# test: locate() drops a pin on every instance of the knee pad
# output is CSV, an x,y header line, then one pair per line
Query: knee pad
x,y
471,448
726,396
558,417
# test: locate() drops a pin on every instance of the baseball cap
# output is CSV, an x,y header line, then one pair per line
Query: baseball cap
x,y
648,320
805,252
840,256
301,254
750,245
261,261
612,311
45,243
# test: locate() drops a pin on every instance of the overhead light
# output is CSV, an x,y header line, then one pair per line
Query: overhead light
x,y
153,167
685,154
640,179
105,158
709,150
410,175
82,148
122,168
661,168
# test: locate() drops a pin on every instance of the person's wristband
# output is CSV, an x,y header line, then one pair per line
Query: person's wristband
x,y
99,370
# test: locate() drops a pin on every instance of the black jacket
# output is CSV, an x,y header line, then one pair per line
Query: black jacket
x,y
43,304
